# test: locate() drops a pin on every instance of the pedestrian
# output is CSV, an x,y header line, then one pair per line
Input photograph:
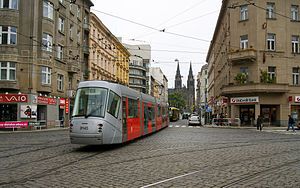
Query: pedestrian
x,y
291,123
259,122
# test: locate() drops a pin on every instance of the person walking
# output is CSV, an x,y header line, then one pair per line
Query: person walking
x,y
259,122
291,123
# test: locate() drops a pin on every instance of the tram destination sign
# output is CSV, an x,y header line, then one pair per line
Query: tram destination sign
x,y
244,100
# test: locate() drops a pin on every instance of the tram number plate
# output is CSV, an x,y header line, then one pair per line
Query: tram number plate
x,y
84,128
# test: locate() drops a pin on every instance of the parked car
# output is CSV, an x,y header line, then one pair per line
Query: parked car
x,y
194,120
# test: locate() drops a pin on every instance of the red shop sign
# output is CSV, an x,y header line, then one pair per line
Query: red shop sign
x,y
13,98
46,100
67,106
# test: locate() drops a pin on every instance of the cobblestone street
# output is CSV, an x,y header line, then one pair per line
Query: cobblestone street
x,y
178,156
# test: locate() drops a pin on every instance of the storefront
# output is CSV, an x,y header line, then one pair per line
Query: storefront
x,y
25,110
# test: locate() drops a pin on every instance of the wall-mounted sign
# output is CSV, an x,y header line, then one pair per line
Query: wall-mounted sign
x,y
244,100
13,124
13,98
297,99
28,111
46,100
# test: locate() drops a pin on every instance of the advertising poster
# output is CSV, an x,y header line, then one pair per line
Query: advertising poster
x,y
28,111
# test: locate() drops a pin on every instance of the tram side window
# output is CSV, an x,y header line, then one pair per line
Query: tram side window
x,y
159,110
133,108
113,104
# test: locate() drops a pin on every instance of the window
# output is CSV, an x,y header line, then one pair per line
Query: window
x,y
8,35
272,73
8,71
132,108
61,24
10,4
244,12
78,36
48,9
71,6
295,76
47,42
59,52
71,31
46,75
113,104
295,12
78,11
295,44
270,10
60,82
271,42
61,2
244,42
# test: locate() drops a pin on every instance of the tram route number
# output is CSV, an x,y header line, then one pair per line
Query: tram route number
x,y
84,128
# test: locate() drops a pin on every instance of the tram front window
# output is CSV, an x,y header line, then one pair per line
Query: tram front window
x,y
90,102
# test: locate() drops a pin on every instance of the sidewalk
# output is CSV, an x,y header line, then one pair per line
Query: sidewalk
x,y
34,130
266,128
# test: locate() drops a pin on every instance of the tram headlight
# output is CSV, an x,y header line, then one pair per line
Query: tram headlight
x,y
100,127
71,126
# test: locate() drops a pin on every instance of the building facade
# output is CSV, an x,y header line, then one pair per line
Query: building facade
x,y
42,56
201,94
108,59
253,61
159,84
139,76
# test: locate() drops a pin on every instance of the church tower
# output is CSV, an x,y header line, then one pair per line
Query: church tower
x,y
191,88
178,81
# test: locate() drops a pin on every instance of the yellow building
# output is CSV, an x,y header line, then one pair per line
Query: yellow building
x,y
108,59
254,60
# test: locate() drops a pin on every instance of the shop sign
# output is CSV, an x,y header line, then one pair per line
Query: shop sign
x,y
13,98
297,99
244,100
67,106
13,124
62,103
46,100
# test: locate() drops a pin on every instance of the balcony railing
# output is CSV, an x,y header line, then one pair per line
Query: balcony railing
x,y
254,88
243,56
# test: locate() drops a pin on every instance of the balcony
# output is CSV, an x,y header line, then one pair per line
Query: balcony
x,y
242,56
73,67
254,88
11,85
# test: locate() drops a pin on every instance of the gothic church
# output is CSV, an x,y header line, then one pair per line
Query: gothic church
x,y
188,92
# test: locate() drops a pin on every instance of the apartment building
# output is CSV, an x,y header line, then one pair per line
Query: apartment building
x,y
139,75
109,59
158,84
42,55
201,94
254,59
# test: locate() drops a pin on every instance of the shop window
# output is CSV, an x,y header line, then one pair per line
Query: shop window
x,y
8,112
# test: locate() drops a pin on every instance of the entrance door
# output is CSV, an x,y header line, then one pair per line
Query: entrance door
x,y
269,113
247,114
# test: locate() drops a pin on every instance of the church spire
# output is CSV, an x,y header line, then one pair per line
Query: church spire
x,y
178,82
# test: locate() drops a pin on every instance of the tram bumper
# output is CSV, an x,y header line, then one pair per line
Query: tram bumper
x,y
88,139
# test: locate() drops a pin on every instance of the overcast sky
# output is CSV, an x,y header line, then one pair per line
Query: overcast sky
x,y
188,26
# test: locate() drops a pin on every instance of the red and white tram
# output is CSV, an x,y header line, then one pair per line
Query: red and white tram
x,y
110,113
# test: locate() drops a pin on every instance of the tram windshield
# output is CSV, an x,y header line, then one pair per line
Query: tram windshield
x,y
90,102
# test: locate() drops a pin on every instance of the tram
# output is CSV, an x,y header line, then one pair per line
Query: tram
x,y
174,113
110,113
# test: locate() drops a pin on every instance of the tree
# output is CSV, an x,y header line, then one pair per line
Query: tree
x,y
176,100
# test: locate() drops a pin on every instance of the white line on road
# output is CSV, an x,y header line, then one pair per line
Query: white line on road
x,y
176,177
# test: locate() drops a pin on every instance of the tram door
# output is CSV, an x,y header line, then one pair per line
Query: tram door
x,y
124,119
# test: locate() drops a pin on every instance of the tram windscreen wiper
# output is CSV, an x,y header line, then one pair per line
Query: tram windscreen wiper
x,y
93,111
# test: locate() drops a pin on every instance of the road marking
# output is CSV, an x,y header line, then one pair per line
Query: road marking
x,y
170,179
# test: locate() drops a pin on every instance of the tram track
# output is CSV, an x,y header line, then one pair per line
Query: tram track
x,y
261,174
89,156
